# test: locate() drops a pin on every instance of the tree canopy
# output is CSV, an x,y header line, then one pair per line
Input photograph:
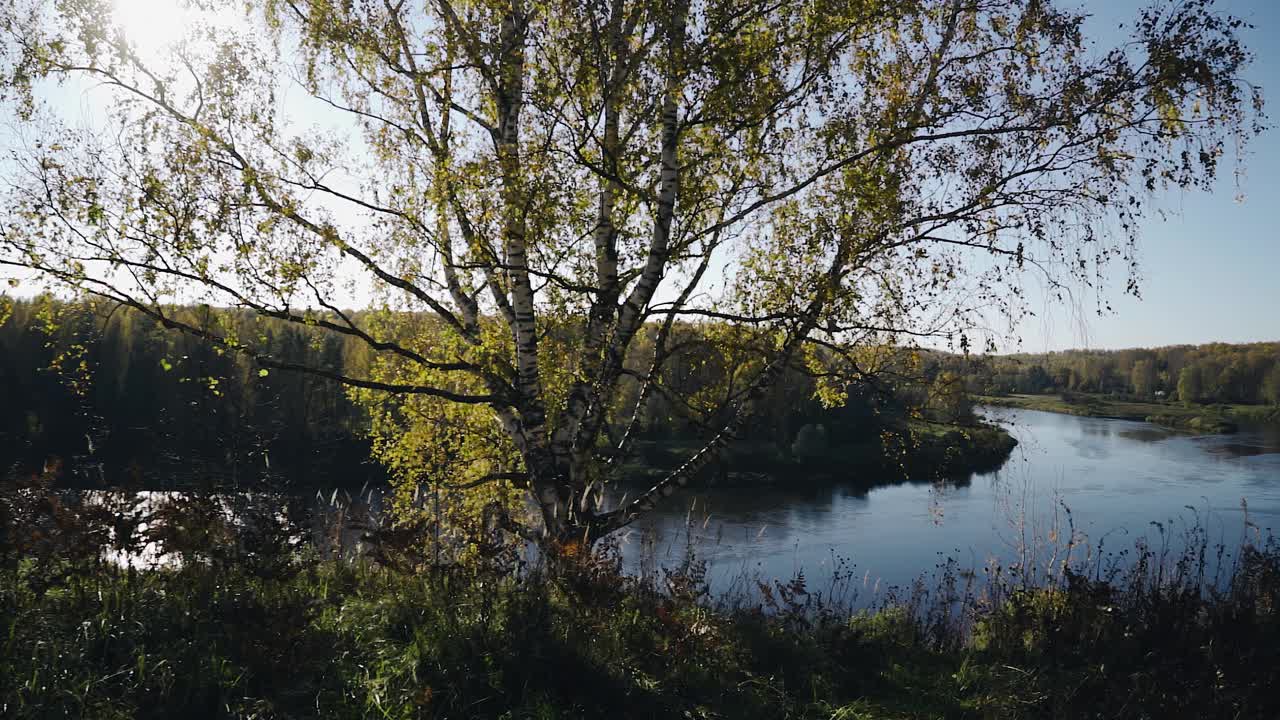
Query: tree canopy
x,y
522,189
1218,372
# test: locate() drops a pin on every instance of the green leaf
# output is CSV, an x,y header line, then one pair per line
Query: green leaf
x,y
263,372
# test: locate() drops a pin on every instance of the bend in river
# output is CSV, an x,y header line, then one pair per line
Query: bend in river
x,y
1110,480
1105,482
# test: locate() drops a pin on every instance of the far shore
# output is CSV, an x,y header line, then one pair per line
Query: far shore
x,y
1205,419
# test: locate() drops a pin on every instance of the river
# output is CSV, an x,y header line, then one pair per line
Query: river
x,y
1115,478
1102,482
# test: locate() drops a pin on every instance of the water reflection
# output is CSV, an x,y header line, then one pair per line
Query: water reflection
x,y
1247,444
1069,477
1109,478
1151,434
333,524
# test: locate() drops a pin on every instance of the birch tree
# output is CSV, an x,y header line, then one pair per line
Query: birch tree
x,y
518,190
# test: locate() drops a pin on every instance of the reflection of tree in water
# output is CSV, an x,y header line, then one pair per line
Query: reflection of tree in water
x,y
1098,428
1239,450
803,498
1146,434
1243,445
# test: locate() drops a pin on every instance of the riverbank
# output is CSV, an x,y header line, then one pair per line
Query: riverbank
x,y
918,451
341,640
1208,419
248,623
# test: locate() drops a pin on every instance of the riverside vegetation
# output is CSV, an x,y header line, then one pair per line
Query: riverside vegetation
x,y
119,399
1216,419
1212,388
244,622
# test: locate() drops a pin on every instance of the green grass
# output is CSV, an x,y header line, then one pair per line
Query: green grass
x,y
943,450
354,641
330,639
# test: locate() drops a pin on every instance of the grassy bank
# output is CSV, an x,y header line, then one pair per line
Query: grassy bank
x,y
341,640
271,633
1222,418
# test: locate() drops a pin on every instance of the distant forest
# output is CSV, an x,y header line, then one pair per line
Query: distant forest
x,y
119,399
1216,373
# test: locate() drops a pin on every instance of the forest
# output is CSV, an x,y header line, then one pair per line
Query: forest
x,y
1247,374
117,399
149,406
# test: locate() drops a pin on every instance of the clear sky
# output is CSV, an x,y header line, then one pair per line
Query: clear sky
x,y
1211,269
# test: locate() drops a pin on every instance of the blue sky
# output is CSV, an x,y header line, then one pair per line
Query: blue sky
x,y
1211,269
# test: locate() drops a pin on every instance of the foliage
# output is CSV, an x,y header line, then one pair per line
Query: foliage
x,y
147,409
141,407
518,190
1214,373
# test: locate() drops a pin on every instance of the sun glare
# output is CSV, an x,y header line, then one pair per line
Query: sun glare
x,y
154,24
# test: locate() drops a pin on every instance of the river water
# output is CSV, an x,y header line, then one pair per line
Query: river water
x,y
1103,482
1100,482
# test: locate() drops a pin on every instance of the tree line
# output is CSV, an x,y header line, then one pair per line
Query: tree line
x,y
115,397
1213,373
